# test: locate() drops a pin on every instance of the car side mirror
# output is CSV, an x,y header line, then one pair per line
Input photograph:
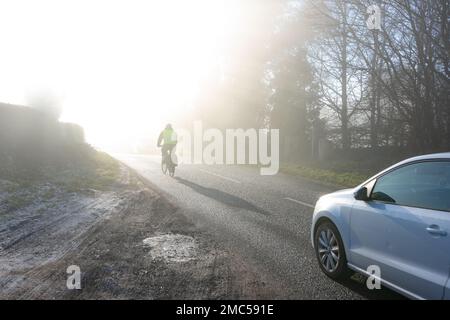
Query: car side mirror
x,y
361,194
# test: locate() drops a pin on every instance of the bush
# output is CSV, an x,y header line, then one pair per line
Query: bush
x,y
35,147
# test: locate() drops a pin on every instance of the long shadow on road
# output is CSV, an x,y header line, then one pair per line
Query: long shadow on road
x,y
223,197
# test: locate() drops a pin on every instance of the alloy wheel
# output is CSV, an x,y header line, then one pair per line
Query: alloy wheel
x,y
328,249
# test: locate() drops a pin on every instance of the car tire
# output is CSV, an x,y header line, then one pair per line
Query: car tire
x,y
330,251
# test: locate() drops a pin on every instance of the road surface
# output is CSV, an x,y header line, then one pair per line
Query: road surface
x,y
266,219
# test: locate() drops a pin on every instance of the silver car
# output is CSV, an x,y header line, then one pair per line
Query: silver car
x,y
397,222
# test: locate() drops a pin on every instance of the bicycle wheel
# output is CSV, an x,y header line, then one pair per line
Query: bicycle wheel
x,y
164,167
172,170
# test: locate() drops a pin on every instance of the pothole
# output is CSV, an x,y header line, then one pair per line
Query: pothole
x,y
172,247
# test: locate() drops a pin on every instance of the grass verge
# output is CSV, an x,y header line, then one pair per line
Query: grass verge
x,y
100,172
76,168
327,176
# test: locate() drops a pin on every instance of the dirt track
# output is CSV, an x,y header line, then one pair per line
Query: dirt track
x,y
108,246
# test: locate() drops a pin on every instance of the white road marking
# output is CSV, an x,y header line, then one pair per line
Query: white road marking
x,y
220,176
300,202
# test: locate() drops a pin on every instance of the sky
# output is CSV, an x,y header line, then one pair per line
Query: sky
x,y
122,69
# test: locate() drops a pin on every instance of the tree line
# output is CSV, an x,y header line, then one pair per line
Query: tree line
x,y
316,70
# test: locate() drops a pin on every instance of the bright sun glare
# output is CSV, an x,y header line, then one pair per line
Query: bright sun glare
x,y
122,68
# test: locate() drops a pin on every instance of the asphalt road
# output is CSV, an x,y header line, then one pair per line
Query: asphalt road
x,y
266,219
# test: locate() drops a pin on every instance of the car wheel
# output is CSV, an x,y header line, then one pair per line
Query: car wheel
x,y
330,251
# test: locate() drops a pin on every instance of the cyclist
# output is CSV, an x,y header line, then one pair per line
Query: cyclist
x,y
169,136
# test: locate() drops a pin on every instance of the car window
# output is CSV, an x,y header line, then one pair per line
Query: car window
x,y
423,185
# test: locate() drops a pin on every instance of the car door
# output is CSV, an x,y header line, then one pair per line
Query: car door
x,y
404,228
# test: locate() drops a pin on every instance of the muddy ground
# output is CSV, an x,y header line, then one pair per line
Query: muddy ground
x,y
129,243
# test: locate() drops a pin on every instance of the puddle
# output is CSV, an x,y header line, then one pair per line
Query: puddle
x,y
172,247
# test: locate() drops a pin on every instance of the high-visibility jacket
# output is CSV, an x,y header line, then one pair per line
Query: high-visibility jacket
x,y
169,136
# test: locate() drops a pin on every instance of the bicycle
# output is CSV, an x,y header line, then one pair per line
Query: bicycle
x,y
167,166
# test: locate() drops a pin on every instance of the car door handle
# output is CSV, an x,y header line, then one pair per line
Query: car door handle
x,y
436,231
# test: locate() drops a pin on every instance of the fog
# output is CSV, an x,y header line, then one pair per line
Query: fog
x,y
316,70
122,69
